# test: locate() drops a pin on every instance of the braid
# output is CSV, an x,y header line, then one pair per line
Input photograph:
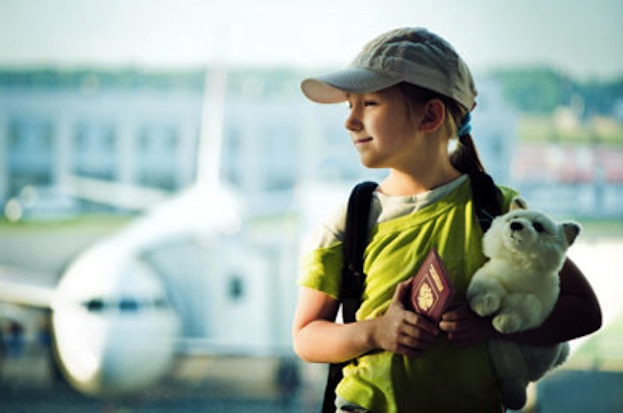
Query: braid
x,y
465,157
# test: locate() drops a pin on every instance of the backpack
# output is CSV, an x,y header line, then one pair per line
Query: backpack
x,y
486,198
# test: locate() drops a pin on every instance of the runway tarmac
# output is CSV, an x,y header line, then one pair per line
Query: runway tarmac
x,y
30,383
51,402
66,401
27,385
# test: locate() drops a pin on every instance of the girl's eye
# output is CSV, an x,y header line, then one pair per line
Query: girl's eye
x,y
538,227
369,103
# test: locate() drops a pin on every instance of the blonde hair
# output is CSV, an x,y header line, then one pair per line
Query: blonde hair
x,y
464,157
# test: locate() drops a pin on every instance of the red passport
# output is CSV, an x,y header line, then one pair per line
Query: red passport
x,y
431,290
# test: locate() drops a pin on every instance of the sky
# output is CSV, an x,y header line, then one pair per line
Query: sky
x,y
583,38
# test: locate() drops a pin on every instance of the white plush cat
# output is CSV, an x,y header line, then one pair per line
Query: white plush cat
x,y
519,286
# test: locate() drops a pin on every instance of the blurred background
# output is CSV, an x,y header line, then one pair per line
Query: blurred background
x,y
160,171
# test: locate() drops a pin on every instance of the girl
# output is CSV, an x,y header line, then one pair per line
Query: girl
x,y
409,94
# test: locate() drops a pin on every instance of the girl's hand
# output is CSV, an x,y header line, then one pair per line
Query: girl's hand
x,y
464,327
402,331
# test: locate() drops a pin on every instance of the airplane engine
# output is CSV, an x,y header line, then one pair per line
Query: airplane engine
x,y
115,331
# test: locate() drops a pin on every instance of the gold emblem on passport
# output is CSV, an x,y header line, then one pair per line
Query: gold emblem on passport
x,y
425,297
431,290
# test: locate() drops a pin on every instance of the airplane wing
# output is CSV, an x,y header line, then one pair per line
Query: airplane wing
x,y
126,196
26,287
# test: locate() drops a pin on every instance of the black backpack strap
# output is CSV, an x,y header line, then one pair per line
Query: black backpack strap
x,y
353,278
354,245
486,197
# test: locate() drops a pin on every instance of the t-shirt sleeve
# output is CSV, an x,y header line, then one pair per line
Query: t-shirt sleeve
x,y
321,265
321,269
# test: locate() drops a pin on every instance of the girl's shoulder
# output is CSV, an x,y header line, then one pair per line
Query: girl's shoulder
x,y
383,208
331,230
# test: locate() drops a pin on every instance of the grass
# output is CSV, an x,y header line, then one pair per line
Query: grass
x,y
590,227
564,129
79,223
608,228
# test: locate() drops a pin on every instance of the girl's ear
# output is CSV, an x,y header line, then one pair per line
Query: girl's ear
x,y
434,115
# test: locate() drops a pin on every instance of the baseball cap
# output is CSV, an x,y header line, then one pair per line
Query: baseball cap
x,y
412,55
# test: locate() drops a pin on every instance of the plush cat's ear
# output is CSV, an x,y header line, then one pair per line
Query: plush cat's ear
x,y
518,203
571,230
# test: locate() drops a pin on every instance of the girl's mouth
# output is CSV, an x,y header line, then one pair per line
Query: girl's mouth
x,y
362,140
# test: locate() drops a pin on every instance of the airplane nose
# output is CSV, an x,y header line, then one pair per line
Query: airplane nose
x,y
115,331
116,350
138,353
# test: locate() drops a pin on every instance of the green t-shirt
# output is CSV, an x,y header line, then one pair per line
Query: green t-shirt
x,y
446,379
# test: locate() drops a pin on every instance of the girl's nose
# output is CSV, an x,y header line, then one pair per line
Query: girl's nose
x,y
353,122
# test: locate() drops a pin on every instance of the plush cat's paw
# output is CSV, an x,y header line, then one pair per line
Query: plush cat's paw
x,y
485,304
507,323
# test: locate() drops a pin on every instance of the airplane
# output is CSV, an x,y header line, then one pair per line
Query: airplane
x,y
124,308
115,328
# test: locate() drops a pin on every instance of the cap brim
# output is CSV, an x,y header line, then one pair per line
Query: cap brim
x,y
334,87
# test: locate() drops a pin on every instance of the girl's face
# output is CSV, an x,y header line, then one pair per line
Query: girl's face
x,y
384,129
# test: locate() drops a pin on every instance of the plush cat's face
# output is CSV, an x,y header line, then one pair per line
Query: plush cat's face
x,y
530,235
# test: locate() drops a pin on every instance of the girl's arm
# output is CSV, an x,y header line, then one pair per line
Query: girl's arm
x,y
317,338
576,314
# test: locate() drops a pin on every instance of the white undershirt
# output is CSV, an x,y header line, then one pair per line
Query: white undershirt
x,y
383,208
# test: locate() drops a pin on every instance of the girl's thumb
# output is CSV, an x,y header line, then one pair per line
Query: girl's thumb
x,y
401,294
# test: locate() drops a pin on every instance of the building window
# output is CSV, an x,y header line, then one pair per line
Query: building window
x,y
236,287
94,153
157,156
30,153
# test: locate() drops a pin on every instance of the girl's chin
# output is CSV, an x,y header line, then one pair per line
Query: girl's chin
x,y
369,163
